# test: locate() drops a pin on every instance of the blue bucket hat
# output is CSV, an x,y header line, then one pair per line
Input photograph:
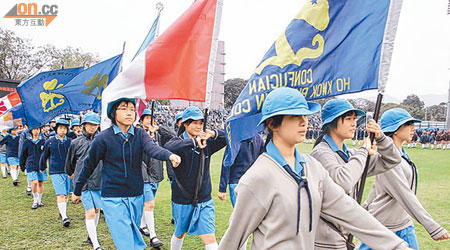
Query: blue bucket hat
x,y
147,112
75,122
337,107
192,113
392,119
10,129
91,117
111,104
62,122
179,115
286,101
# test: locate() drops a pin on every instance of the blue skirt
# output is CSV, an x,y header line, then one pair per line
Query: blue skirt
x,y
13,161
91,199
192,220
232,194
408,234
150,189
37,175
60,184
123,217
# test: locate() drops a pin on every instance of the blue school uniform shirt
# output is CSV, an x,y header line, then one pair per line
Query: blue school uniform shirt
x,y
186,172
342,153
55,151
122,161
273,152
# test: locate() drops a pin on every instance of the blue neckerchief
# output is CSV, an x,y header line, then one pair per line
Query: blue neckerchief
x,y
273,151
297,174
61,140
124,136
342,153
415,176
130,132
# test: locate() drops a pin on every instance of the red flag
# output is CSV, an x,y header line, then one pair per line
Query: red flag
x,y
176,63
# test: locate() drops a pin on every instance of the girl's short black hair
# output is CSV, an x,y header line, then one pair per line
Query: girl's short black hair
x,y
333,124
114,109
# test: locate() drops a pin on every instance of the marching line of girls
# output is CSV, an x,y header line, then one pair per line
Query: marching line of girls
x,y
283,198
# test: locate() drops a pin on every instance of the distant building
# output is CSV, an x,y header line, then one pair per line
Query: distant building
x,y
217,95
7,86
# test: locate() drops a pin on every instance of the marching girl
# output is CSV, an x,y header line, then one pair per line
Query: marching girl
x,y
11,140
194,214
75,129
3,162
394,202
29,160
284,193
121,148
90,195
153,173
55,151
345,166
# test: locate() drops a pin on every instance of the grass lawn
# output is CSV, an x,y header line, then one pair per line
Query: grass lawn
x,y
23,228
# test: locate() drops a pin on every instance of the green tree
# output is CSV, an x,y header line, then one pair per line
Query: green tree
x,y
233,88
415,106
20,59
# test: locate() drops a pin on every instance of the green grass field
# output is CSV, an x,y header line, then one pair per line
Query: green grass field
x,y
23,228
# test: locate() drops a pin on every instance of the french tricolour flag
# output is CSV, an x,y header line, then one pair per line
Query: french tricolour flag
x,y
179,64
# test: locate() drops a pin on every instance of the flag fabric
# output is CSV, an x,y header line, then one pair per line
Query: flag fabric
x,y
149,38
330,48
40,101
9,101
13,117
84,91
177,64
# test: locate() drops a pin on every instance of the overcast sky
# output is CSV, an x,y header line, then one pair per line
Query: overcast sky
x,y
420,62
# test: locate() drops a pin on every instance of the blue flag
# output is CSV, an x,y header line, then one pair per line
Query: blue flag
x,y
84,91
40,101
330,48
149,38
18,113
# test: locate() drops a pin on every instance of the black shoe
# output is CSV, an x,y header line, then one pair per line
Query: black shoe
x,y
28,191
144,231
88,240
66,222
98,248
4,177
34,206
16,182
172,222
40,204
156,243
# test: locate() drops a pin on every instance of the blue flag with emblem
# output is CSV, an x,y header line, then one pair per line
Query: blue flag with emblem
x,y
329,48
40,101
84,91
149,38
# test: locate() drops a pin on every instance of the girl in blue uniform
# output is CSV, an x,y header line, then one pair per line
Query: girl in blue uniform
x,y
194,214
55,151
153,173
90,195
3,162
29,160
121,148
12,153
